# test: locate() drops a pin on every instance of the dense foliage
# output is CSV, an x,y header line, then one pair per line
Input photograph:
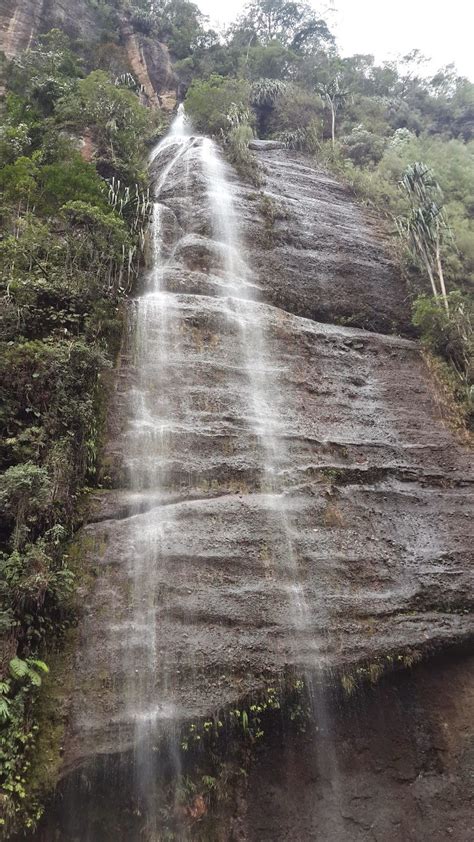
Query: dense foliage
x,y
73,209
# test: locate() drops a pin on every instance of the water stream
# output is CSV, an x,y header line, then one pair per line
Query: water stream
x,y
152,700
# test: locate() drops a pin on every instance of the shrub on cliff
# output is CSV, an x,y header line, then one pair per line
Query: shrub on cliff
x,y
450,334
25,493
209,102
117,120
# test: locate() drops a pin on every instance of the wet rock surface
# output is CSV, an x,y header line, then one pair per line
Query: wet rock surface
x,y
404,759
352,547
284,496
375,492
320,254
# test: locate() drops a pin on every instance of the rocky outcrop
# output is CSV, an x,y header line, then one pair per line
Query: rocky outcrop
x,y
23,20
19,24
320,254
371,521
404,760
151,66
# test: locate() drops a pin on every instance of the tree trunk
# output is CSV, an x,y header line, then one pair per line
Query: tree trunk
x,y
440,269
426,261
333,124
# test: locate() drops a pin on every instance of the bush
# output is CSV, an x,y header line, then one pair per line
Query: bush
x,y
52,386
450,334
120,124
237,146
208,103
296,109
364,148
18,181
25,493
71,180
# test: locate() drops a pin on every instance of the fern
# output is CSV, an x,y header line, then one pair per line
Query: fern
x,y
4,709
18,668
38,665
29,669
4,702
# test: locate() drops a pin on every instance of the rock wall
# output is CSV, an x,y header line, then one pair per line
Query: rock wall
x,y
320,255
374,500
151,65
22,21
404,760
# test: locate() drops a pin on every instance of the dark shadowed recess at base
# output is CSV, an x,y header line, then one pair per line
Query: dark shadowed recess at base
x,y
399,772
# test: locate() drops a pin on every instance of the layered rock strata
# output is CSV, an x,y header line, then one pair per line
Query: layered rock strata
x,y
357,553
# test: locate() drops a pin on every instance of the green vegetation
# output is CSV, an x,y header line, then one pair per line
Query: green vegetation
x,y
73,210
425,226
216,756
209,102
372,672
177,23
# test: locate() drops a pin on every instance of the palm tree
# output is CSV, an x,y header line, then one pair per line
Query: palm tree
x,y
335,96
425,225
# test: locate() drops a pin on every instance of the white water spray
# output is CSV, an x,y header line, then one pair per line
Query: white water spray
x,y
152,700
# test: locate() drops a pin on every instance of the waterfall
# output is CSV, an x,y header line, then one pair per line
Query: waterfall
x,y
272,529
195,233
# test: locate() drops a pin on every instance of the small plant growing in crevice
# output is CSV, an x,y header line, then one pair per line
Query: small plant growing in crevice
x,y
271,212
373,671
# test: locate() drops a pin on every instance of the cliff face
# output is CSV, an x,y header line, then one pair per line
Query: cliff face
x,y
404,755
320,255
22,21
371,522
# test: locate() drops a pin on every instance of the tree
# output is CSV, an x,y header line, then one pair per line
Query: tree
x,y
335,96
363,147
426,224
209,102
46,72
293,24
19,180
119,122
179,23
272,61
24,493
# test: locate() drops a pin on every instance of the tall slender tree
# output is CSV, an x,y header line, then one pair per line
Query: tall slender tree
x,y
425,226
334,96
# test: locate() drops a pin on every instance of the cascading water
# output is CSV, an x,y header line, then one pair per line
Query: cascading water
x,y
157,345
242,540
265,417
203,381
157,329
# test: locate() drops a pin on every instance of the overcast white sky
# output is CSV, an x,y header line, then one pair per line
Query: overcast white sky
x,y
387,28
